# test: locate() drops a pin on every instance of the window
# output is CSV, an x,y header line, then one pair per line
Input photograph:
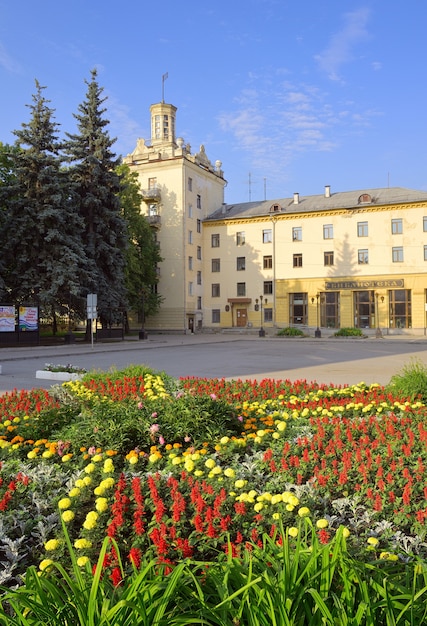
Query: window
x,y
268,315
397,254
267,235
425,253
400,308
190,184
425,224
190,236
362,257
298,308
396,227
241,289
268,287
199,303
215,241
199,201
216,265
190,262
328,258
267,262
330,309
216,316
215,290
190,288
152,183
190,210
152,210
328,231
240,238
362,229
297,260
199,277
297,233
199,226
199,253
241,263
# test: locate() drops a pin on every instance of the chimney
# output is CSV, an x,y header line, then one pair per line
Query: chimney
x,y
327,191
296,198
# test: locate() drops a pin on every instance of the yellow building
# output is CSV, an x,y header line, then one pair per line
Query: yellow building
x,y
180,190
327,261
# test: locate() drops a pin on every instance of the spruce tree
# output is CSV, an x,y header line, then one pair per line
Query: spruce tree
x,y
95,188
41,245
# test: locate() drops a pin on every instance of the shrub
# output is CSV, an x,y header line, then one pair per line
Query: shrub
x,y
411,382
348,332
290,332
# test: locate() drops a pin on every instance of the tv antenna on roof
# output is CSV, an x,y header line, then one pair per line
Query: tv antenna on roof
x,y
164,77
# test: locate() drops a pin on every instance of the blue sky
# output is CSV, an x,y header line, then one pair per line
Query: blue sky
x,y
289,95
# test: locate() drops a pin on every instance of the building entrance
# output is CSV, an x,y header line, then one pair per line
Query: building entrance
x,y
241,317
364,309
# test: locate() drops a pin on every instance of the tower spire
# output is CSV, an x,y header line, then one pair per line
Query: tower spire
x,y
164,77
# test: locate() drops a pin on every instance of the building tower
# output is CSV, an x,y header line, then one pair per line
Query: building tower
x,y
179,190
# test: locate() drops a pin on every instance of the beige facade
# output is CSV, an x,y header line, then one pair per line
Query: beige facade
x,y
180,190
352,259
320,262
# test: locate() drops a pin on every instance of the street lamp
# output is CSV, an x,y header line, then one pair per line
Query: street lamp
x,y
142,333
378,333
261,330
317,332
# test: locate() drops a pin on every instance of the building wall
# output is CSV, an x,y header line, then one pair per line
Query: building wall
x,y
380,275
181,208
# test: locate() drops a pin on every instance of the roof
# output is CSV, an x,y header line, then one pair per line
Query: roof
x,y
321,202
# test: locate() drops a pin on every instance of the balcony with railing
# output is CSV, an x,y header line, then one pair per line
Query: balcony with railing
x,y
151,195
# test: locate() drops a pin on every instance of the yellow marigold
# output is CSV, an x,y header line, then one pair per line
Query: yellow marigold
x,y
96,458
101,504
81,544
32,454
47,454
304,511
87,480
210,463
108,466
82,560
240,483
74,492
134,459
372,541
67,457
51,545
258,507
90,468
229,472
293,531
67,516
189,465
64,503
322,523
345,532
45,564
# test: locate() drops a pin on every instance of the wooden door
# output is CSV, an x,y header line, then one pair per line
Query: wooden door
x,y
242,317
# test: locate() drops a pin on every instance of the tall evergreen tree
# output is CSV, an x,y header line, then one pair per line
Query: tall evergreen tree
x,y
142,256
41,244
95,186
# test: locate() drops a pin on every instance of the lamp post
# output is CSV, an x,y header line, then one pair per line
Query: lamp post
x,y
317,332
261,330
142,333
378,333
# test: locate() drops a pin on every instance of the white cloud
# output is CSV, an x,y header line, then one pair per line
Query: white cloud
x,y
340,48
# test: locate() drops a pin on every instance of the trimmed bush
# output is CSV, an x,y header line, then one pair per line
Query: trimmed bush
x,y
349,332
290,332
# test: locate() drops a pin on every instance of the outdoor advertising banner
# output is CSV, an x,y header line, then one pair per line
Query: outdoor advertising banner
x,y
28,318
7,319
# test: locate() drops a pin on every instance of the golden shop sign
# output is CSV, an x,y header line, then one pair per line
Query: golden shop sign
x,y
366,284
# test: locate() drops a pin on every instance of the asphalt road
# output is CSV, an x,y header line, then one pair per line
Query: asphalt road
x,y
335,361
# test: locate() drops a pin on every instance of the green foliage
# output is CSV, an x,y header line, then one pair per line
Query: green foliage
x,y
142,254
411,382
349,332
290,332
40,240
284,581
95,188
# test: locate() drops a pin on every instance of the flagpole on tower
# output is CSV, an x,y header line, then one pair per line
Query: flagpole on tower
x,y
164,77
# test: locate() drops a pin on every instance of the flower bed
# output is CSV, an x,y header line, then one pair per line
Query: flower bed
x,y
206,466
